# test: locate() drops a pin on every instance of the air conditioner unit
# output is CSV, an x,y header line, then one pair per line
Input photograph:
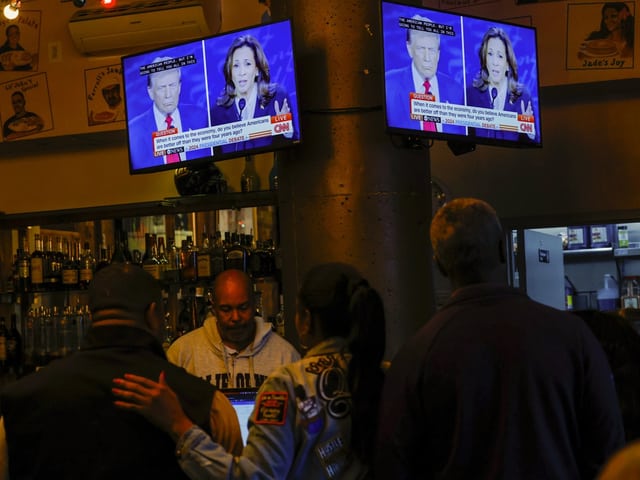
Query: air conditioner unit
x,y
141,25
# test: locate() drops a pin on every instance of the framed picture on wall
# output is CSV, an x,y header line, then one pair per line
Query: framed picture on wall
x,y
105,103
25,107
600,36
19,42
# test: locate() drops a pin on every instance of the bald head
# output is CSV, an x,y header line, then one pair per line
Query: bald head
x,y
237,278
467,241
624,465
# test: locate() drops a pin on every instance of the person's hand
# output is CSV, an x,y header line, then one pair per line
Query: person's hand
x,y
156,401
285,107
528,110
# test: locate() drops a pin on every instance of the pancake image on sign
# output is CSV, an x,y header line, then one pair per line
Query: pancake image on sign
x,y
599,48
26,124
21,58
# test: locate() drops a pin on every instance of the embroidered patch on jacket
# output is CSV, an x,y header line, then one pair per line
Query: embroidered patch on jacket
x,y
271,408
334,456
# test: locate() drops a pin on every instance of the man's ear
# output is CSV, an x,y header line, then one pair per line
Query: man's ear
x,y
305,326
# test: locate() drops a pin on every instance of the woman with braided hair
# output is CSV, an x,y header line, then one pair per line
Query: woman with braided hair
x,y
314,418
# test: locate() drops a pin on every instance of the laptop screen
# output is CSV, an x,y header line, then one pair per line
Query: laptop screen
x,y
243,401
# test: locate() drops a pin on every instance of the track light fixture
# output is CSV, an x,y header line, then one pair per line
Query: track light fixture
x,y
79,3
12,9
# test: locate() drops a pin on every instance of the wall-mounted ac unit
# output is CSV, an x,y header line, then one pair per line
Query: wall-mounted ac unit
x,y
141,25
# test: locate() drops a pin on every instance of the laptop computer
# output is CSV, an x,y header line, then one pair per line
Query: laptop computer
x,y
243,400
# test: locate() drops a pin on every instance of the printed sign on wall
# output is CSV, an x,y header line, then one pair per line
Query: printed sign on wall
x,y
600,35
25,107
104,95
20,46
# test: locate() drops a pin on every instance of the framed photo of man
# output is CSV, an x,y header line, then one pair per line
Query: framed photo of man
x,y
25,107
105,102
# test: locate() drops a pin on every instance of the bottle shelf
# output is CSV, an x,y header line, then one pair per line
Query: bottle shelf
x,y
169,205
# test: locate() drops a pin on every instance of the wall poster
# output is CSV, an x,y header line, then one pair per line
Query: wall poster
x,y
104,95
20,41
600,35
25,107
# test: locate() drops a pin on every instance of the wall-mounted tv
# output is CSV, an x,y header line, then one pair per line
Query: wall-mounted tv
x,y
224,96
460,78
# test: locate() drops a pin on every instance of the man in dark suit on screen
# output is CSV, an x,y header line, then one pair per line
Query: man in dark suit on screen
x,y
421,76
166,113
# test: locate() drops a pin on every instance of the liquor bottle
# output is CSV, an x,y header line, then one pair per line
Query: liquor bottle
x,y
189,260
65,332
43,327
23,262
14,349
262,261
236,256
174,265
162,258
70,270
53,269
30,340
87,266
121,253
50,265
150,262
249,180
22,265
104,256
52,325
37,264
217,255
204,258
81,322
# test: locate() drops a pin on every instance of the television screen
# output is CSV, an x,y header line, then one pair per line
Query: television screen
x,y
460,78
223,96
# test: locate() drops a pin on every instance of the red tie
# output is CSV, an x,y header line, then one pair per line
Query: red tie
x,y
172,157
428,126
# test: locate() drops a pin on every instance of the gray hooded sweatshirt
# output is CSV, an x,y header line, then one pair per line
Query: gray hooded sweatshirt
x,y
202,353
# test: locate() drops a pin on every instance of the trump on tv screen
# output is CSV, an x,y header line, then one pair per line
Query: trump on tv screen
x,y
216,98
457,77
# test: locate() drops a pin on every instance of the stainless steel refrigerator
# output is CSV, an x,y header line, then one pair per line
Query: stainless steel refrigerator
x,y
543,268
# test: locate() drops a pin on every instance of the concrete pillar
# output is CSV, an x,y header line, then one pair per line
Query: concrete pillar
x,y
347,193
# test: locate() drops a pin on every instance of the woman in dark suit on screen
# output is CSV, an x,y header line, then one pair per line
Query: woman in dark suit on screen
x,y
496,85
248,92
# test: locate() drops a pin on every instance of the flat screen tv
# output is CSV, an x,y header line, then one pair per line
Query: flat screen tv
x,y
456,77
224,96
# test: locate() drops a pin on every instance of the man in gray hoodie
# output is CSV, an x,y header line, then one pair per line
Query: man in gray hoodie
x,y
233,348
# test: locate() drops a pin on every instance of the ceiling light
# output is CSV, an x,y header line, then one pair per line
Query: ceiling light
x,y
12,9
108,3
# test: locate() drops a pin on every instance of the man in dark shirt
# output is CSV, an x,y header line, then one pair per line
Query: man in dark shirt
x,y
61,423
495,385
